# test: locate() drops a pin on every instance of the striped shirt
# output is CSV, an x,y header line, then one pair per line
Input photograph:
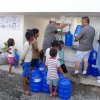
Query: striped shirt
x,y
52,65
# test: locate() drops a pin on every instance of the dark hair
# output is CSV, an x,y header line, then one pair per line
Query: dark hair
x,y
29,30
35,31
53,52
61,42
28,35
86,18
10,42
54,43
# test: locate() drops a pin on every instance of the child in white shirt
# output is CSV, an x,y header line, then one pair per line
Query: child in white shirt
x,y
26,59
54,44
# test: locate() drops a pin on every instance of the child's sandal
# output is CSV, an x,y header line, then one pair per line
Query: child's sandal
x,y
54,94
27,93
51,95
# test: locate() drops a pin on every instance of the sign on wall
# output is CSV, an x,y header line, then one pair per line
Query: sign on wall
x,y
10,22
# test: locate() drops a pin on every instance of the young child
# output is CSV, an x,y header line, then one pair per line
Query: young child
x,y
54,44
60,52
35,49
26,59
11,54
53,65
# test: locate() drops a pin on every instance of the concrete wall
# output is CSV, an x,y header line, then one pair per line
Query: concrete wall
x,y
29,22
17,35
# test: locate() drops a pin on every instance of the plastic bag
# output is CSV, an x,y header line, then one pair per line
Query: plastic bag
x,y
3,59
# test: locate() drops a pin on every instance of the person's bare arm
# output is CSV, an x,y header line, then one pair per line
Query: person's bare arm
x,y
64,33
62,26
8,50
46,67
76,39
26,48
60,70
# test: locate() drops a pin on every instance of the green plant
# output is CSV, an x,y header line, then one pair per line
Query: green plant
x,y
5,47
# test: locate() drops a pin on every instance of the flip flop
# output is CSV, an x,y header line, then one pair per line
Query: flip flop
x,y
51,95
54,94
27,93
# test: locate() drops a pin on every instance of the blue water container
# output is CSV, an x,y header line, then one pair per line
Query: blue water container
x,y
92,68
36,81
60,75
64,88
16,62
45,86
93,57
17,56
41,67
78,29
68,39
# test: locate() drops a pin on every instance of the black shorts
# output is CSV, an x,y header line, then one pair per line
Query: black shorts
x,y
63,66
34,62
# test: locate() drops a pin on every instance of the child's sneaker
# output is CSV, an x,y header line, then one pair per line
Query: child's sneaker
x,y
75,75
84,75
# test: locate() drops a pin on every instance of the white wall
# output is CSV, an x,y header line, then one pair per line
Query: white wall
x,y
17,35
29,22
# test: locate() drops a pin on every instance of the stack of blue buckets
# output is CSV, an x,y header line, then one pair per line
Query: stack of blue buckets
x,y
92,68
38,83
